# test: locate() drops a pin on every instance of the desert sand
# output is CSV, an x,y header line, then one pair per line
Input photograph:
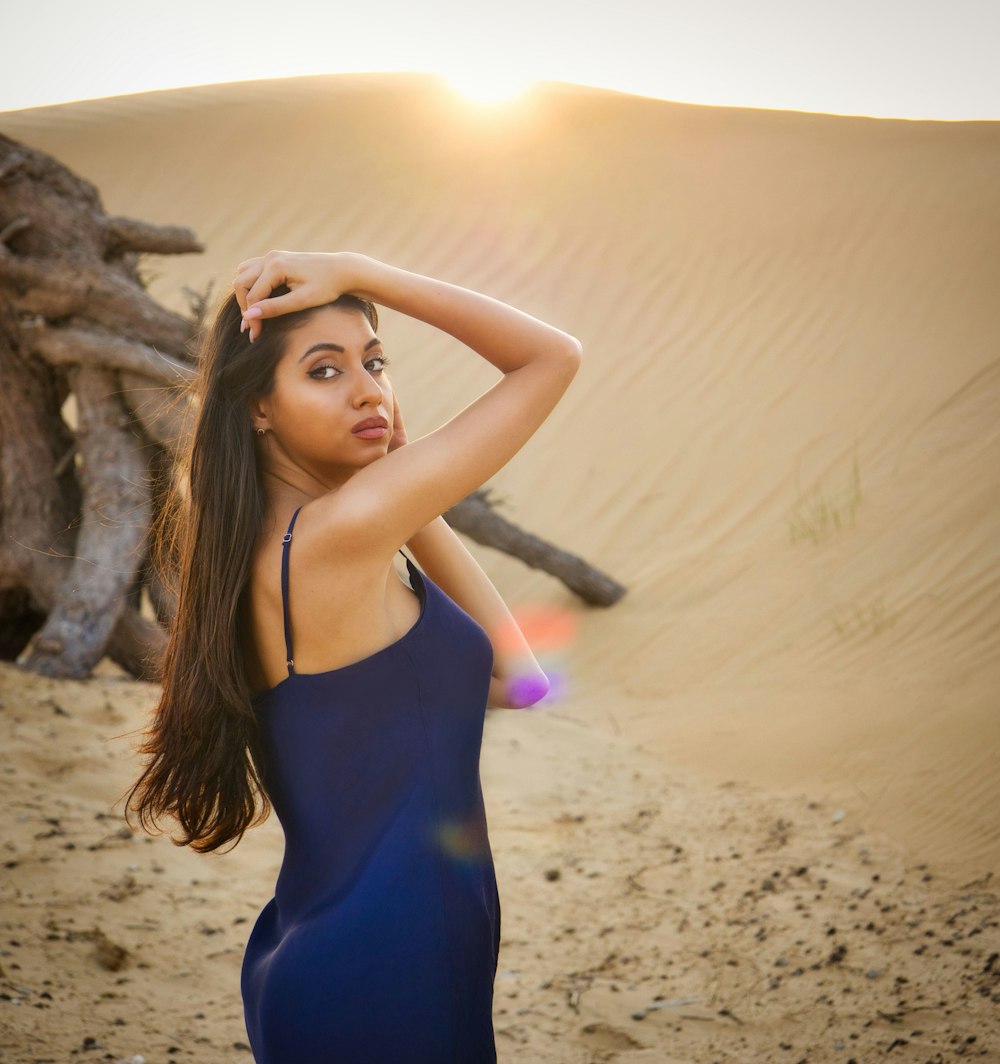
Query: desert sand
x,y
759,822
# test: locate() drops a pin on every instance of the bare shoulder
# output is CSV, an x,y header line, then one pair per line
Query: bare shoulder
x,y
328,553
344,603
343,532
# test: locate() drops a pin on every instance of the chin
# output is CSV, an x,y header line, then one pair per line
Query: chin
x,y
376,456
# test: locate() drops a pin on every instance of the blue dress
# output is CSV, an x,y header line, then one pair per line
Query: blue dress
x,y
381,941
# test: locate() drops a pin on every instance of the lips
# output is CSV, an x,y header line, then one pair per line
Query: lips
x,y
371,423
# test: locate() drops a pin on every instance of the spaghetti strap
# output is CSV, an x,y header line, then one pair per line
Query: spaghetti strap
x,y
289,657
285,543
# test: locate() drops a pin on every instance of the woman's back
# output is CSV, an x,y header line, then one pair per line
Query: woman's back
x,y
346,606
382,937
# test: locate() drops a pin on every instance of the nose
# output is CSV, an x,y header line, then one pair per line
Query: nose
x,y
367,391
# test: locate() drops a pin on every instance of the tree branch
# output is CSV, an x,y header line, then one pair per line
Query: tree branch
x,y
475,517
127,234
116,512
57,289
69,346
137,645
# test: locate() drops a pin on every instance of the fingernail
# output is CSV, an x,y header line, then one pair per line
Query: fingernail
x,y
251,336
252,312
243,325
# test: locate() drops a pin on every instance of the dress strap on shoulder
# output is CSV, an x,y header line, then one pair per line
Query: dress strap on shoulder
x,y
285,543
411,565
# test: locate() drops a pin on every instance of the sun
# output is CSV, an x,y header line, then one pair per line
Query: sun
x,y
488,86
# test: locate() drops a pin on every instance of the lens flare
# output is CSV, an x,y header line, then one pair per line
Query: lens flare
x,y
527,690
546,628
549,631
463,841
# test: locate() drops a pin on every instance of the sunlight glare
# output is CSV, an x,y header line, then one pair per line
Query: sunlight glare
x,y
488,86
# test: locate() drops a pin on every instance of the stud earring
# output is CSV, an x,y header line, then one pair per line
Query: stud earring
x,y
260,432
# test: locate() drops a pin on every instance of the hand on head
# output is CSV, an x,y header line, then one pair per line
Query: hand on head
x,y
314,278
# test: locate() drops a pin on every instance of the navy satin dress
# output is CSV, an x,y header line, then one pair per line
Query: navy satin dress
x,y
381,941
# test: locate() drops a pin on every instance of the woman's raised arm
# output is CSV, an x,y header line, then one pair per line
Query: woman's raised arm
x,y
389,500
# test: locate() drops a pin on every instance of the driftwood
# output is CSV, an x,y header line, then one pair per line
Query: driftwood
x,y
475,517
77,324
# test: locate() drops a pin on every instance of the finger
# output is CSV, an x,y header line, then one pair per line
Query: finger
x,y
256,278
241,297
271,271
300,297
243,282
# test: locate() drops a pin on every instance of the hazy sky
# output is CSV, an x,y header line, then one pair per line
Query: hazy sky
x,y
886,58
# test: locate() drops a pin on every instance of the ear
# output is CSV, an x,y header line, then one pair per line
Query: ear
x,y
259,415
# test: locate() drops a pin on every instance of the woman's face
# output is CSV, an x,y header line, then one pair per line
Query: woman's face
x,y
329,378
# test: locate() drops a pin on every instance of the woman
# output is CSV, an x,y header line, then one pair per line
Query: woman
x,y
302,672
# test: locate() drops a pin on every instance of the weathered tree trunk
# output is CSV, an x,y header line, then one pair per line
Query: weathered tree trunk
x,y
475,517
93,594
76,500
40,513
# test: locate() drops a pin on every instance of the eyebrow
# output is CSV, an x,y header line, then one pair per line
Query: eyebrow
x,y
374,341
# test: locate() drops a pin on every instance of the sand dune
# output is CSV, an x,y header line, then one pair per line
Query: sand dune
x,y
784,439
791,331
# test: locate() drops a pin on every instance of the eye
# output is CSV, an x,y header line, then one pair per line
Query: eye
x,y
381,359
315,373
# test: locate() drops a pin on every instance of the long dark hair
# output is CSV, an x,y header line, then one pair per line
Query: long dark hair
x,y
205,759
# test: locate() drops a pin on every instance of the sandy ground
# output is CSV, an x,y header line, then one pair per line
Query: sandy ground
x,y
646,917
783,441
